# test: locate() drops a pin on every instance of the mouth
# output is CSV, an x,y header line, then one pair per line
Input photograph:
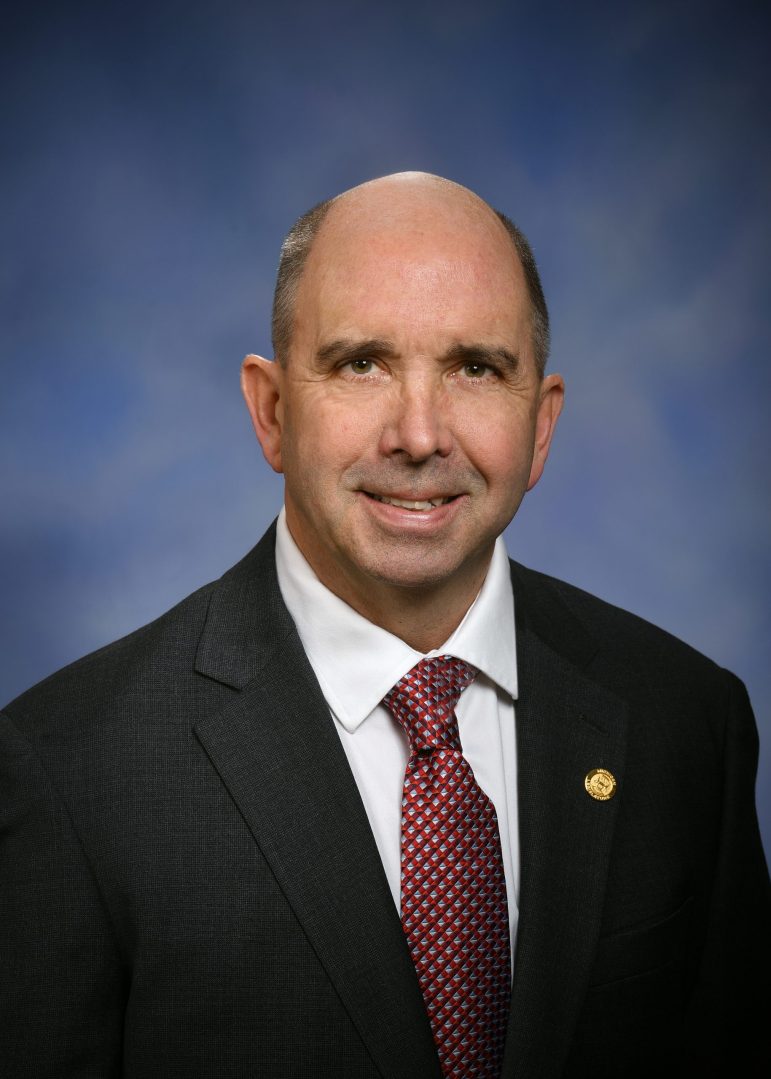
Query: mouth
x,y
418,505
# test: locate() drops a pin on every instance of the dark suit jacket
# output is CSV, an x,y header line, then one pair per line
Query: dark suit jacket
x,y
190,886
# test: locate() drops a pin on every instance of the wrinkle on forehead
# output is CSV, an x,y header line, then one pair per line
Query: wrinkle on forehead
x,y
438,272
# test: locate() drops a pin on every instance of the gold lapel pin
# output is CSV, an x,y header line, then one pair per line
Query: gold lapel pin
x,y
600,784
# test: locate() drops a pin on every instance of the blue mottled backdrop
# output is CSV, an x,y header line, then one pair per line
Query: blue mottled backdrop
x,y
153,156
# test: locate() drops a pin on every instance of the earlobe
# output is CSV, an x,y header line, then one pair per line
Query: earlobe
x,y
552,396
261,387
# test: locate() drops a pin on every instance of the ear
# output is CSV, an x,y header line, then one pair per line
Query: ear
x,y
261,385
551,397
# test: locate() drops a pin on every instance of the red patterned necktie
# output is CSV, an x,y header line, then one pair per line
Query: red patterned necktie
x,y
454,910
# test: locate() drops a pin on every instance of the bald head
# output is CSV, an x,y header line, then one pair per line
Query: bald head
x,y
392,209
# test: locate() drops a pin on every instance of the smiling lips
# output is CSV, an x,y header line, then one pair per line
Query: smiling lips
x,y
412,504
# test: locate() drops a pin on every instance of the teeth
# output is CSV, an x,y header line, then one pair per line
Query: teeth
x,y
403,503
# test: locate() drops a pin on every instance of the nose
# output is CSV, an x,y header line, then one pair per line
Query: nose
x,y
415,421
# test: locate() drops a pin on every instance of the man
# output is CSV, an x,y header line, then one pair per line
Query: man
x,y
315,819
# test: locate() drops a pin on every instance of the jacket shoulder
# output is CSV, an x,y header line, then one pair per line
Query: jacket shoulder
x,y
156,666
577,619
159,651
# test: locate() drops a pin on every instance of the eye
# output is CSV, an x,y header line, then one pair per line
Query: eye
x,y
476,370
361,366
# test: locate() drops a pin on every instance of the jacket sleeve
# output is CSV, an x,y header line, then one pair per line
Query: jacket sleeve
x,y
62,983
730,1008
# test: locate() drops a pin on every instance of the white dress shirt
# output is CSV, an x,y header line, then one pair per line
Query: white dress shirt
x,y
357,663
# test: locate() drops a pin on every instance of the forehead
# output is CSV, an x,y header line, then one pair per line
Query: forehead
x,y
446,269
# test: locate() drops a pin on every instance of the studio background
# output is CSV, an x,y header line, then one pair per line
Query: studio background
x,y
154,155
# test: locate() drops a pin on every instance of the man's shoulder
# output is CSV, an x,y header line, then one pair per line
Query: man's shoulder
x,y
159,651
588,626
152,667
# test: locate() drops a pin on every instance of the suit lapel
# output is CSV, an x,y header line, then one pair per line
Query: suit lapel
x,y
567,724
275,748
277,752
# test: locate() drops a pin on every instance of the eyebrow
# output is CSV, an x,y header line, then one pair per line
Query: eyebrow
x,y
343,350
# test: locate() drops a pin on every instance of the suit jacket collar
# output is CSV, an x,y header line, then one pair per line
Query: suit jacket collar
x,y
567,724
247,620
275,748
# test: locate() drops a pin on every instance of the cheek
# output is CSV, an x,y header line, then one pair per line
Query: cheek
x,y
350,428
322,438
499,446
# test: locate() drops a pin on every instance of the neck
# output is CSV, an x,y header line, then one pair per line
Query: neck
x,y
423,617
424,626
424,622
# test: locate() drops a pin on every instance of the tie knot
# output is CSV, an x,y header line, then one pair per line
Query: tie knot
x,y
423,702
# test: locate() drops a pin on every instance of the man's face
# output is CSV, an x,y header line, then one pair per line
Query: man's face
x,y
409,419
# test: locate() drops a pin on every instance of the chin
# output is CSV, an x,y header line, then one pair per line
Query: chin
x,y
416,572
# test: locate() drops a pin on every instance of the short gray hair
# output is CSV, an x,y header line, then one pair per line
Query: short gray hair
x,y
294,254
296,248
539,312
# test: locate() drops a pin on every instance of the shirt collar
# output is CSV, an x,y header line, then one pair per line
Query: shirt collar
x,y
357,662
